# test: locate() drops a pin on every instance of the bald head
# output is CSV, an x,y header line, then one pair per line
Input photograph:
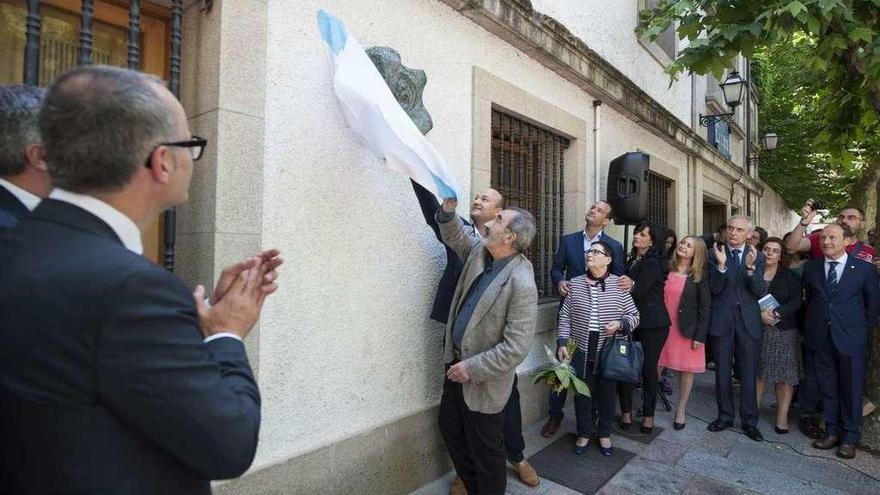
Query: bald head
x,y
99,124
833,241
486,206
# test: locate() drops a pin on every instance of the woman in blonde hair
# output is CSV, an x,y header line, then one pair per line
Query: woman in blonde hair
x,y
688,302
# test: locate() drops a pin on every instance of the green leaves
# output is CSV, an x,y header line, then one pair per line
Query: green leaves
x,y
861,34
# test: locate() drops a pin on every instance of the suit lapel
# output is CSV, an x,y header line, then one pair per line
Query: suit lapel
x,y
577,250
491,293
11,204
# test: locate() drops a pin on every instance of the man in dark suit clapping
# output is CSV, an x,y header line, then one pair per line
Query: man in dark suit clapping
x,y
843,303
736,279
114,378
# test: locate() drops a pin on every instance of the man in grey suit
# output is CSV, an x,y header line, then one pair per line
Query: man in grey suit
x,y
490,330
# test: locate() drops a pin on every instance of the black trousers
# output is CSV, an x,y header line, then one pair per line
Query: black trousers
x,y
808,389
474,442
602,401
841,384
738,343
514,443
652,340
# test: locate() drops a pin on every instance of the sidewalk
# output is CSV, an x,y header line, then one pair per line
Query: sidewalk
x,y
694,461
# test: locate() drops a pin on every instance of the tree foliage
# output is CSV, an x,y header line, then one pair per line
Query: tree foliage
x,y
790,106
843,66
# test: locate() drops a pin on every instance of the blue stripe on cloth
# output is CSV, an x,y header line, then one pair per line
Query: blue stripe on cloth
x,y
444,190
332,30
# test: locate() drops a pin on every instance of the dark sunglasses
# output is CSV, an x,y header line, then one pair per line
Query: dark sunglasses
x,y
196,146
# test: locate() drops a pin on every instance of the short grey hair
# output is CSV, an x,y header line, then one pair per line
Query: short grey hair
x,y
99,124
19,108
523,225
740,216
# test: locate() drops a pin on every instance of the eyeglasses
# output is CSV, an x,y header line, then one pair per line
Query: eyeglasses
x,y
595,252
196,146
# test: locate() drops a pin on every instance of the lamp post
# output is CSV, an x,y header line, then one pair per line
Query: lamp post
x,y
769,142
732,88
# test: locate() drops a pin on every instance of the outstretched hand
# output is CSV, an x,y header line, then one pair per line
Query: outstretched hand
x,y
751,255
449,204
720,256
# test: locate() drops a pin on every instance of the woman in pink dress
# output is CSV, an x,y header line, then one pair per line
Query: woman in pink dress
x,y
688,302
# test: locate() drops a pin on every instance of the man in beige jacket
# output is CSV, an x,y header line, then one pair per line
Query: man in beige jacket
x,y
490,331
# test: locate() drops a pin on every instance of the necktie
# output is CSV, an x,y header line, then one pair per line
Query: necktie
x,y
735,259
831,280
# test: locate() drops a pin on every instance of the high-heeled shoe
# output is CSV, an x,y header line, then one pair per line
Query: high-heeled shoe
x,y
780,430
677,425
624,426
647,430
580,449
606,451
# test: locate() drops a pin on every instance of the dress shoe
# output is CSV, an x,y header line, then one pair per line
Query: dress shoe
x,y
780,431
457,487
580,449
753,433
846,451
678,426
647,430
809,428
526,473
827,443
719,425
551,427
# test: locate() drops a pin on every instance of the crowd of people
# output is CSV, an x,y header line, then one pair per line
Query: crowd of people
x,y
104,348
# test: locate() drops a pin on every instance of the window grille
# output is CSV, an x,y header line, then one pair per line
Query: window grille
x,y
528,170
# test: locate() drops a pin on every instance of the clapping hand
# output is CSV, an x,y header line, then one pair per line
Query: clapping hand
x,y
720,256
269,259
751,255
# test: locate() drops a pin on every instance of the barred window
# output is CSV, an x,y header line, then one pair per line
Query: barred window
x,y
658,199
527,169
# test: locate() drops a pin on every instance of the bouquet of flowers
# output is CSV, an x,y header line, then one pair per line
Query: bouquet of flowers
x,y
559,375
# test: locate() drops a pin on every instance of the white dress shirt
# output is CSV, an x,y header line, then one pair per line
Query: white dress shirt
x,y
588,243
28,199
123,226
841,264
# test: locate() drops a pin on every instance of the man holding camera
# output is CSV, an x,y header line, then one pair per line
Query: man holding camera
x,y
851,216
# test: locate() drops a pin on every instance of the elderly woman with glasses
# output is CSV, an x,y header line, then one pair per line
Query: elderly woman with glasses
x,y
596,308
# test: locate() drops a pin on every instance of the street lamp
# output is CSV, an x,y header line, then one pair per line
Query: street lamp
x,y
769,142
732,88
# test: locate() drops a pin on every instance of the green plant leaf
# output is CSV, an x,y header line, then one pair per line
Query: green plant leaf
x,y
580,386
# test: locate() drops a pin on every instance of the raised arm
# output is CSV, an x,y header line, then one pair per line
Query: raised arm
x,y
428,204
198,402
519,331
453,231
797,242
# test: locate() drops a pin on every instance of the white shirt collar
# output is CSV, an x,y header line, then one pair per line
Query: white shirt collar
x,y
594,239
841,260
28,199
123,226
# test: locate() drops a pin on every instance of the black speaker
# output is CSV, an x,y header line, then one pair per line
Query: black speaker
x,y
628,187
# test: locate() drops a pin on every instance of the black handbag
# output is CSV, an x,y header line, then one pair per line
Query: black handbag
x,y
622,360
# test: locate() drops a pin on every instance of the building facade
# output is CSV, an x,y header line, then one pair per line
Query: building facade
x,y
533,98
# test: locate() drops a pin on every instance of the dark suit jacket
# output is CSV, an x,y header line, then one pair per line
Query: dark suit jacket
x,y
446,287
11,209
786,289
650,278
105,381
569,260
849,313
695,308
734,291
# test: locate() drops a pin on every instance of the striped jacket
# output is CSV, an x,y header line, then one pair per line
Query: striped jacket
x,y
587,309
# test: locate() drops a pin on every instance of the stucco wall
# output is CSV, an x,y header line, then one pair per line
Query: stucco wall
x,y
608,28
774,215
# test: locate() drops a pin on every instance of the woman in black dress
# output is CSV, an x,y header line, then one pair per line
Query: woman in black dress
x,y
647,267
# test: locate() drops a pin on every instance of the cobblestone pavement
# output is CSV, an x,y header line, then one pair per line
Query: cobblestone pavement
x,y
695,461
